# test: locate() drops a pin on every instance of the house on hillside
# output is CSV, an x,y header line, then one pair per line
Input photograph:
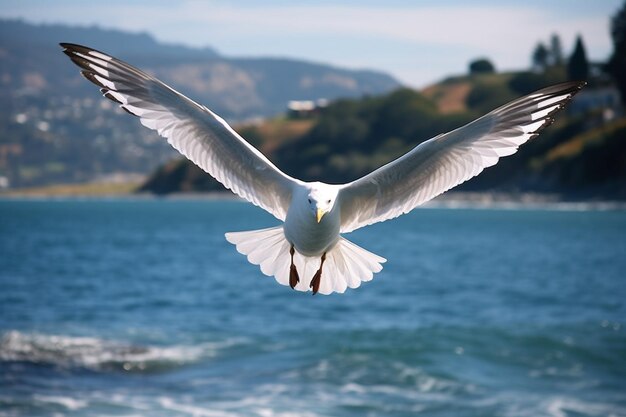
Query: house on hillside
x,y
604,98
301,109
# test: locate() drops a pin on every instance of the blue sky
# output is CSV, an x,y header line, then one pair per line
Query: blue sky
x,y
418,42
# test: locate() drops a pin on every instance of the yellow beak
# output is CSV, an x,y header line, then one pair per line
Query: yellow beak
x,y
320,213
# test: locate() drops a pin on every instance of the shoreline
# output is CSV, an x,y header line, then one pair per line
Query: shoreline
x,y
516,201
449,200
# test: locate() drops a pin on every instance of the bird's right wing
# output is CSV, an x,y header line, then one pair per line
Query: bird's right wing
x,y
447,160
195,131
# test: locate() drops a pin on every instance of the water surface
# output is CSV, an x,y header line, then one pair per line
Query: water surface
x,y
140,307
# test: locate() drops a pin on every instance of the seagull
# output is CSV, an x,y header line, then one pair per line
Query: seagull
x,y
307,251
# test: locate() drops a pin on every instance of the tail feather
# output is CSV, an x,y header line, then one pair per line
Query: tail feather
x,y
346,265
367,262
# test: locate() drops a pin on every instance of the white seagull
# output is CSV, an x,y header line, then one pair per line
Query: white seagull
x,y
307,252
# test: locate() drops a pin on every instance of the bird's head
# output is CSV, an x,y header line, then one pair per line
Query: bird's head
x,y
321,200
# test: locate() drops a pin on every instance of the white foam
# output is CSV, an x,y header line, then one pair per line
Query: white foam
x,y
517,404
563,407
67,402
263,412
95,353
193,410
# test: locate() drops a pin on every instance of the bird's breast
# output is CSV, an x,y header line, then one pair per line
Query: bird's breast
x,y
309,237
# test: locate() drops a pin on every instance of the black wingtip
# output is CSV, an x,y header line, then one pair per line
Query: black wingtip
x,y
91,77
578,85
68,46
568,87
74,48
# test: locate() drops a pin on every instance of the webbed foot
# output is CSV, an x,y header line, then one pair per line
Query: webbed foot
x,y
315,282
294,278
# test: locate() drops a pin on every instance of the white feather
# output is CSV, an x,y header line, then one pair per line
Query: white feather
x,y
447,160
195,131
346,265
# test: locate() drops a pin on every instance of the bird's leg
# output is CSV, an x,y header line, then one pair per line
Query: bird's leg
x,y
293,272
315,282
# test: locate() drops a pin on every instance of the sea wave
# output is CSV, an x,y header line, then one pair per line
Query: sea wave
x,y
100,354
69,403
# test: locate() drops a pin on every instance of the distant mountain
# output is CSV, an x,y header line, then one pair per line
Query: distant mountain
x,y
113,41
234,87
54,127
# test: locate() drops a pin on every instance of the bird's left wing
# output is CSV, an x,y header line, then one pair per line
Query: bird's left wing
x,y
195,131
447,160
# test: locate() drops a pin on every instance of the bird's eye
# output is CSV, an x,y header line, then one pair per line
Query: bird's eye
x,y
309,201
328,201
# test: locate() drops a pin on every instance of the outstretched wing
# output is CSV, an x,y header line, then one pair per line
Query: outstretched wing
x,y
195,131
447,160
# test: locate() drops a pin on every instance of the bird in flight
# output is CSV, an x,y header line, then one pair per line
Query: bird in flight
x,y
307,251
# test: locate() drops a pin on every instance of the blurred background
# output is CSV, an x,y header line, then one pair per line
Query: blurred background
x,y
328,91
504,298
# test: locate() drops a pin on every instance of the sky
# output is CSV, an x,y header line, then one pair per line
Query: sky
x,y
418,42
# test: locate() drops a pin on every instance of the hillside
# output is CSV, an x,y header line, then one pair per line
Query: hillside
x,y
590,164
580,156
54,126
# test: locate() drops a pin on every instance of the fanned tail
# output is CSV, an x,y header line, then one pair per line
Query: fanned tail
x,y
346,265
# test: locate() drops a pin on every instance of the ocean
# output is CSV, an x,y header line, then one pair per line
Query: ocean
x,y
134,307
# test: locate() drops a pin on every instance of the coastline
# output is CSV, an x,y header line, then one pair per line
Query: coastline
x,y
518,201
449,200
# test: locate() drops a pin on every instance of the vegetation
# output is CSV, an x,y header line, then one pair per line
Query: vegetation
x,y
527,81
352,137
578,66
349,138
556,50
489,93
540,57
590,164
180,175
617,63
544,57
481,66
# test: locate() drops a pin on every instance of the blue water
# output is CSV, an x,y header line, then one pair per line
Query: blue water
x,y
120,308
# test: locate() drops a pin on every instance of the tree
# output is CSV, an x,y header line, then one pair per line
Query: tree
x,y
540,57
556,50
523,83
617,63
578,66
481,66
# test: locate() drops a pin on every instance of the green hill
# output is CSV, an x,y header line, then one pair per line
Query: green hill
x,y
590,164
578,156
